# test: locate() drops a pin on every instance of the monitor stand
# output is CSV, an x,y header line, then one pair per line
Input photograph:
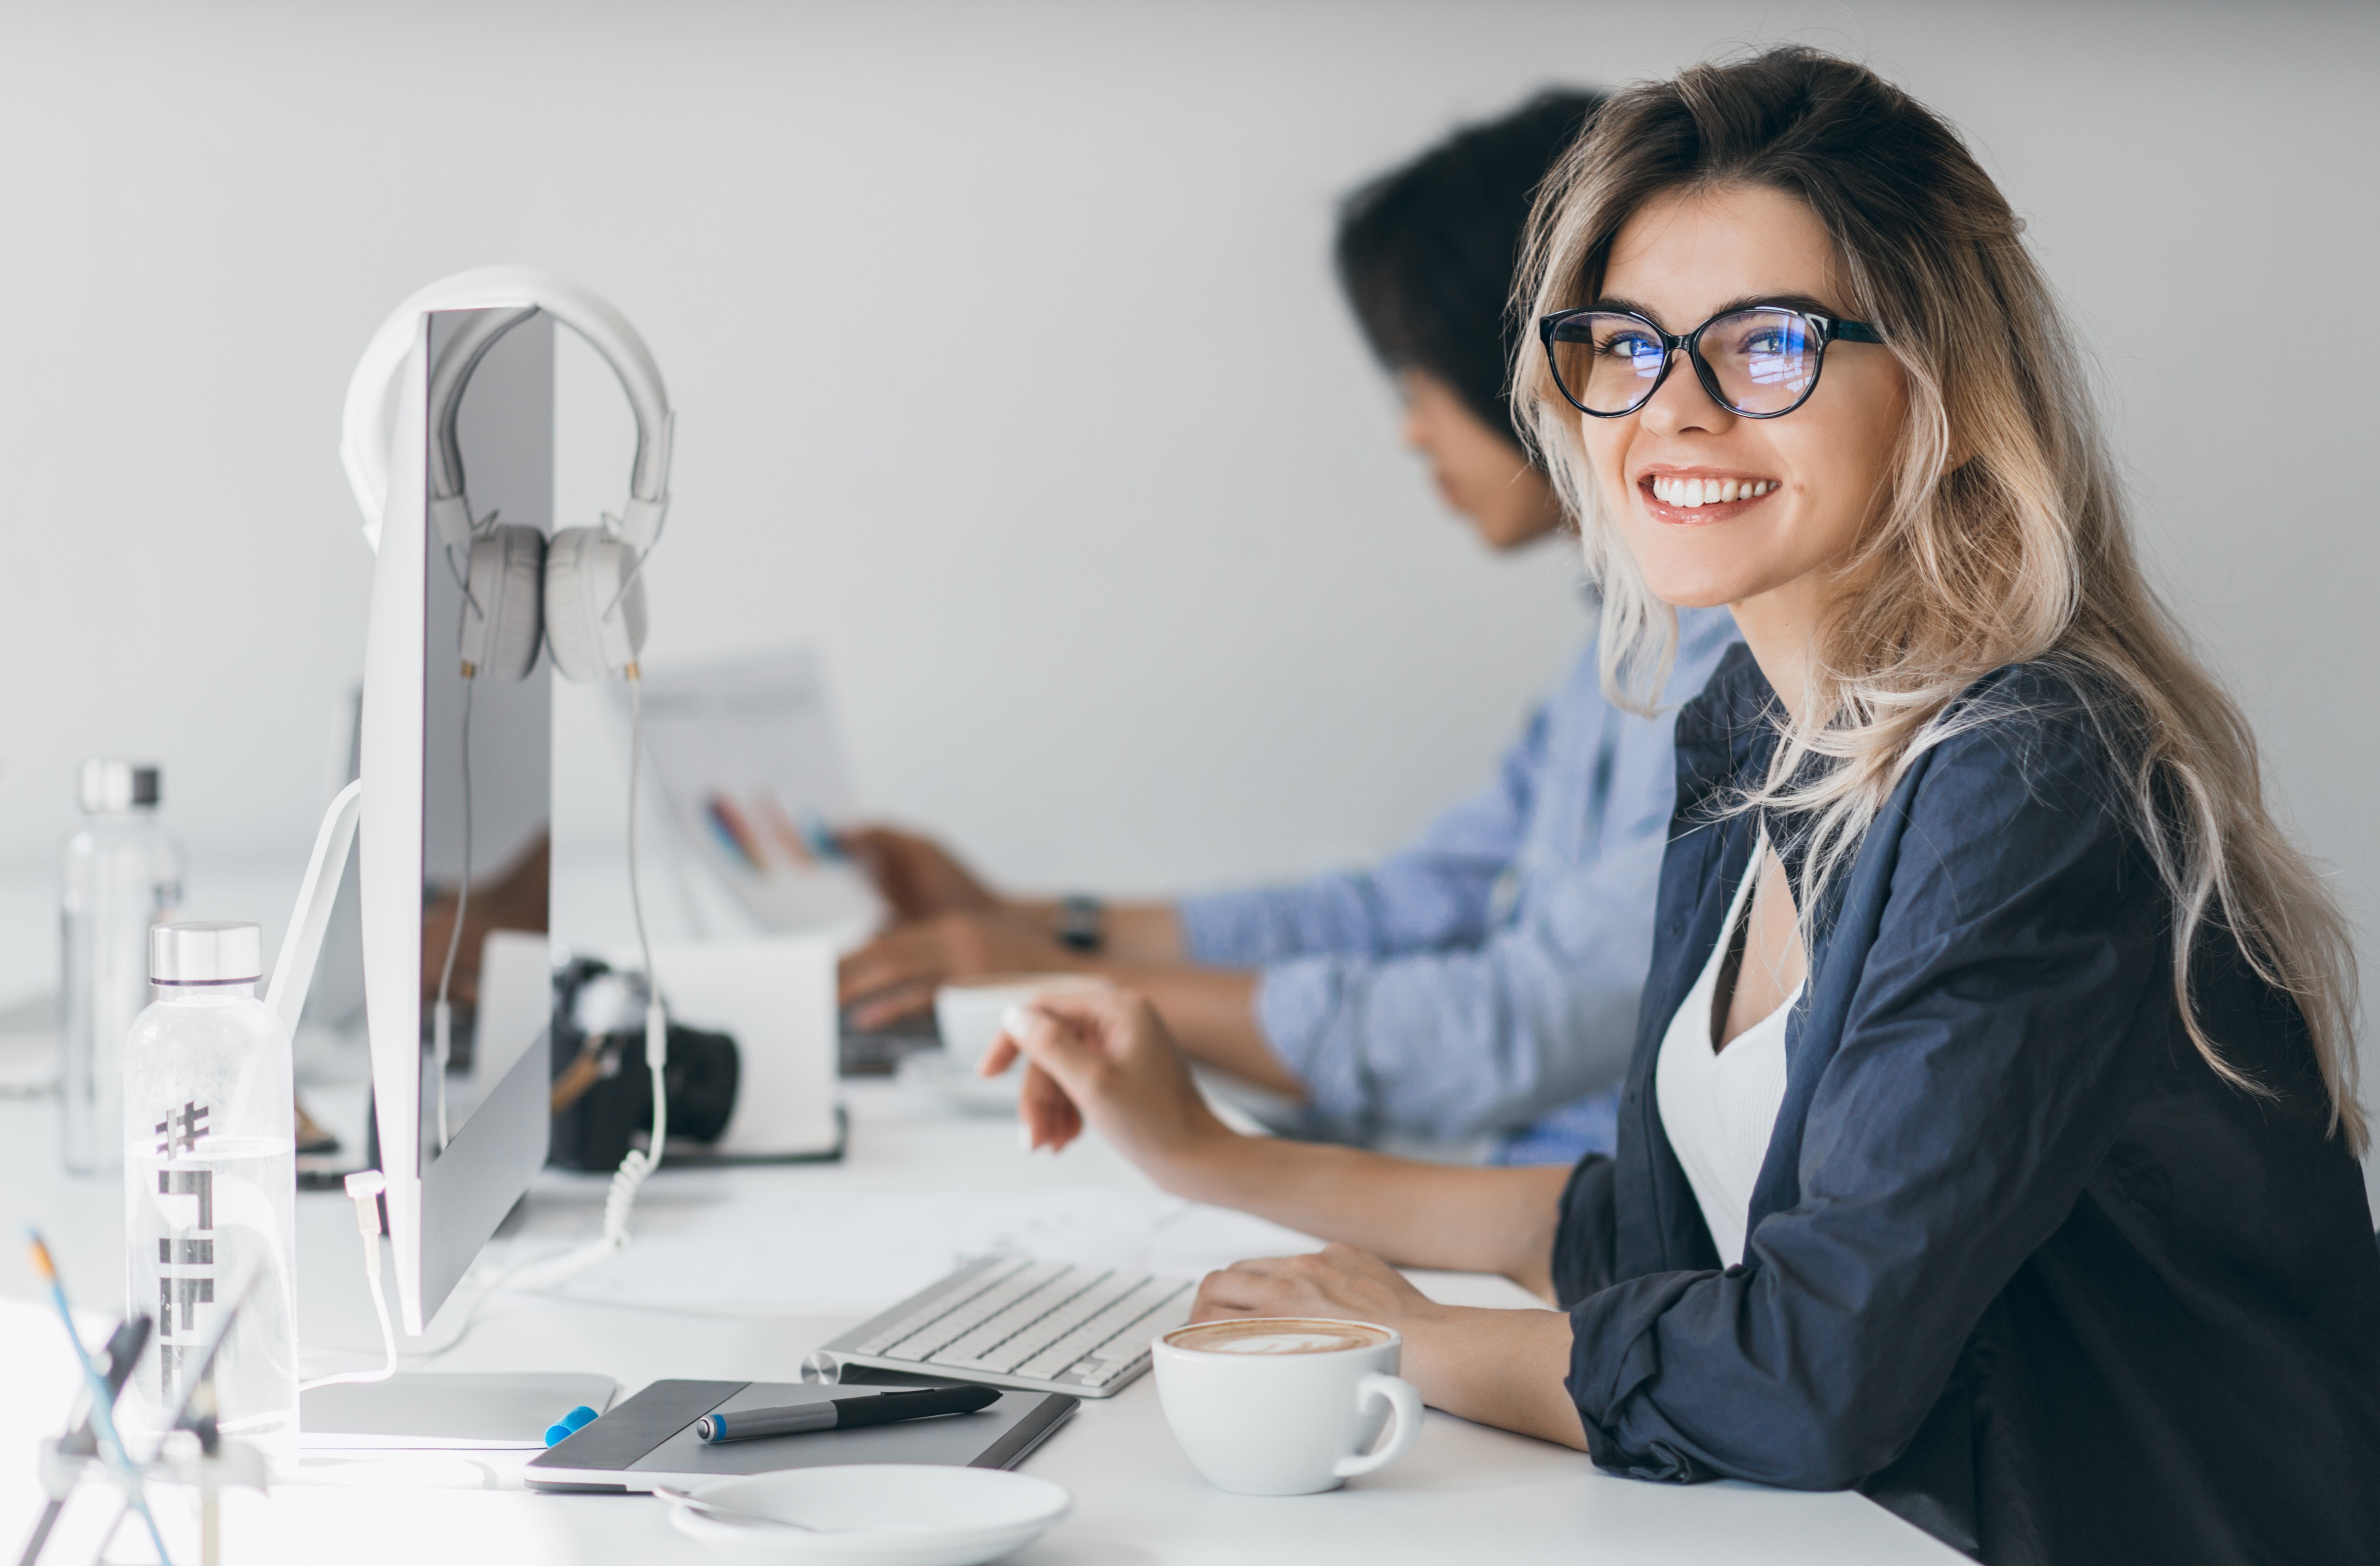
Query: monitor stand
x,y
451,1409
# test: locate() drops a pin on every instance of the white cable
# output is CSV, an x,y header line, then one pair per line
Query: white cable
x,y
641,1161
620,1201
364,1187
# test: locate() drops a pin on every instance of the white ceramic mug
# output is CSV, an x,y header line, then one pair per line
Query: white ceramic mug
x,y
967,1013
1285,1405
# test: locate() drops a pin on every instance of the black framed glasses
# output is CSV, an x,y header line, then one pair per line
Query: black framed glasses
x,y
1761,361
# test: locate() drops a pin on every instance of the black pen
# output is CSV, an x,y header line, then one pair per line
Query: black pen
x,y
842,1413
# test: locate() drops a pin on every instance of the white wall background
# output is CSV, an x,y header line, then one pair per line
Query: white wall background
x,y
1011,375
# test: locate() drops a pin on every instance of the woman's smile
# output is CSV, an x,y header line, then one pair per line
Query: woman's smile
x,y
1693,497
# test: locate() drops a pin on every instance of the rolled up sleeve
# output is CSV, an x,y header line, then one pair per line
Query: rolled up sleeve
x,y
1456,1043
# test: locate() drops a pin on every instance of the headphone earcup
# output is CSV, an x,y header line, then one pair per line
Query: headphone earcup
x,y
591,627
504,619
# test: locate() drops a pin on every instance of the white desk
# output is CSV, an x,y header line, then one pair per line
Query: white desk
x,y
783,1259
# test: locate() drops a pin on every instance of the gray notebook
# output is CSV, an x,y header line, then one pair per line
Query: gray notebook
x,y
649,1440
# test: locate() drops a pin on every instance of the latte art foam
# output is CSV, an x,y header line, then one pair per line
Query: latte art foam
x,y
1290,1342
1276,1337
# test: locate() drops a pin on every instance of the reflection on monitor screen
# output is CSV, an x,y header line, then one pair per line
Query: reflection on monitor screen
x,y
487,758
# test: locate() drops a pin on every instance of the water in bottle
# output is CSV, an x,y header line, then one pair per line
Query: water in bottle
x,y
210,1188
122,874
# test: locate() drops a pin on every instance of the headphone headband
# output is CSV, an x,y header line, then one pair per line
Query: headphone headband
x,y
364,437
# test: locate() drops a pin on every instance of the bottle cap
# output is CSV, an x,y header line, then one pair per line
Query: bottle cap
x,y
116,785
206,953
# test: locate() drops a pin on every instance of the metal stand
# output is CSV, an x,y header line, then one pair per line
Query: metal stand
x,y
301,944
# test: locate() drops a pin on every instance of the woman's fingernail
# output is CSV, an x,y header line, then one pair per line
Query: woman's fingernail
x,y
1014,1021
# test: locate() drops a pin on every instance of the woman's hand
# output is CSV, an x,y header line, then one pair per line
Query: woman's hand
x,y
1104,1058
1493,1366
1337,1283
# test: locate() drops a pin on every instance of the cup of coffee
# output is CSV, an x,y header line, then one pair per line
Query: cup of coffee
x,y
1285,1405
968,1012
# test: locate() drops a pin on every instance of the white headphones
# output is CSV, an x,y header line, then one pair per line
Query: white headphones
x,y
583,593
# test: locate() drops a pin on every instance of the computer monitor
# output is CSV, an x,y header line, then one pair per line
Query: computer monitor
x,y
456,812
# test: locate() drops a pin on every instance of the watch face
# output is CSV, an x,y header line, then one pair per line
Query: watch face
x,y
1082,921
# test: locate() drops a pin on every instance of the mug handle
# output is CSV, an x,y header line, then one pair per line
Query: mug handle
x,y
1404,1429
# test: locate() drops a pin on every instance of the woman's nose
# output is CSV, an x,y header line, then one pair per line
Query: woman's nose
x,y
1680,404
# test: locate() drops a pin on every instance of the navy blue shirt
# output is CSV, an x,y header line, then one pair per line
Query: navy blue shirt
x,y
2021,1266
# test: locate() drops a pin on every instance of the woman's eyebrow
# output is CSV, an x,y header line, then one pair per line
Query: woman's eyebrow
x,y
1627,306
1803,302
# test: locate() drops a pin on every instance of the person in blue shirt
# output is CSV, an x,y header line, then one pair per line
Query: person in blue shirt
x,y
1480,985
1990,1141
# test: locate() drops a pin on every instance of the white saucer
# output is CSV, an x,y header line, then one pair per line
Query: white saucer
x,y
879,1514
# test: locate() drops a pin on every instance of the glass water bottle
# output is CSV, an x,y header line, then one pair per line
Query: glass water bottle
x,y
122,873
210,1188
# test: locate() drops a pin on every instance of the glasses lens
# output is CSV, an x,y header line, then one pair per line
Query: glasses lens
x,y
1765,361
1606,362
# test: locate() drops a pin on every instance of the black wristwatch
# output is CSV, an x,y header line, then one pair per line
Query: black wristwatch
x,y
1082,922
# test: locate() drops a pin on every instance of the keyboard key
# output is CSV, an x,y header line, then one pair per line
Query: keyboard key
x,y
1012,1320
1092,1334
943,1304
1069,1316
1078,1314
948,1328
1054,1298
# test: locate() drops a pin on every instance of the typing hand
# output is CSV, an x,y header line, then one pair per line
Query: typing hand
x,y
1338,1284
1105,1059
917,876
897,973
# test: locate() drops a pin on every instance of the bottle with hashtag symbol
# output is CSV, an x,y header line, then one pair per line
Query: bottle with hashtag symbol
x,y
210,1188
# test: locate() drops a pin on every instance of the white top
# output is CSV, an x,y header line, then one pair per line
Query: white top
x,y
1719,1105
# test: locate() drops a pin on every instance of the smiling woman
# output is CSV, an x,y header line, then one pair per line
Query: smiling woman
x,y
1943,507
1989,1141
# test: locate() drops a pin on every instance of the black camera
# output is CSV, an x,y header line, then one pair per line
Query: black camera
x,y
603,1092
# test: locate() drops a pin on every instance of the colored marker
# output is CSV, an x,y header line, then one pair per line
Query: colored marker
x,y
102,1402
843,1413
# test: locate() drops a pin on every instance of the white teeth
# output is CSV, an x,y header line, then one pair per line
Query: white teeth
x,y
1690,493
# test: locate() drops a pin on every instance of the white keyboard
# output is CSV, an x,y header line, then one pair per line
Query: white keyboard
x,y
1012,1321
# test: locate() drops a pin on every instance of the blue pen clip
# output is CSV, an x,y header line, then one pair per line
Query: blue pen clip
x,y
569,1424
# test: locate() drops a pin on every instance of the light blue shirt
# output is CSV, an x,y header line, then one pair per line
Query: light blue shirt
x,y
1487,977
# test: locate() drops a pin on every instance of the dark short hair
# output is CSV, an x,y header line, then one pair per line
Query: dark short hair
x,y
1426,251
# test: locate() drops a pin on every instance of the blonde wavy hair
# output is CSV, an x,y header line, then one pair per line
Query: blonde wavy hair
x,y
2020,552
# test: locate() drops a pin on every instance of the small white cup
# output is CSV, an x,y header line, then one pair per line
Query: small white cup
x,y
1280,1409
968,1012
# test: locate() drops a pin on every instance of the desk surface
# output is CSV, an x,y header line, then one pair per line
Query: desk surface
x,y
737,1272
